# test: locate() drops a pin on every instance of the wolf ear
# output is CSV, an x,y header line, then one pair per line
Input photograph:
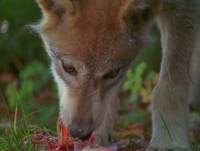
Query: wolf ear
x,y
54,10
138,13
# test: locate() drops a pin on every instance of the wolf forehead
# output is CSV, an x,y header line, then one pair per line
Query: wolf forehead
x,y
93,28
90,44
110,14
82,12
90,35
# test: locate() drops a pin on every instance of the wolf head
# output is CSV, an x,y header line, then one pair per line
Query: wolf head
x,y
91,43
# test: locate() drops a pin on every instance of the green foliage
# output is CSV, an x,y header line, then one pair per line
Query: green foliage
x,y
135,116
135,78
196,147
140,82
17,96
32,79
17,44
152,51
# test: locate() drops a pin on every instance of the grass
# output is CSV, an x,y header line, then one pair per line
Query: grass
x,y
17,137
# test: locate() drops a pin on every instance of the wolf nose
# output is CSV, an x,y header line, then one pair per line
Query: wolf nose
x,y
78,132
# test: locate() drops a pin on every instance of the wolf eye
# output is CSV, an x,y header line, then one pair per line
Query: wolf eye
x,y
70,69
111,74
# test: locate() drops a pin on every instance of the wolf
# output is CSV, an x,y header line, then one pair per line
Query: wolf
x,y
91,44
